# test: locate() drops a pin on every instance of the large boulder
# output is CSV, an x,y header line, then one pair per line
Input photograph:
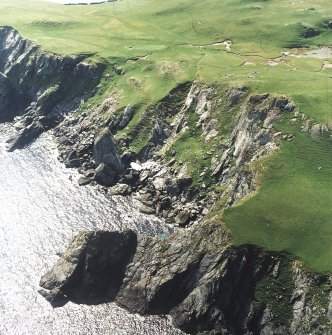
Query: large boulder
x,y
105,175
105,151
92,268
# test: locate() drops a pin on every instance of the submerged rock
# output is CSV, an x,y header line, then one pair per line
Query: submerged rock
x,y
82,181
120,189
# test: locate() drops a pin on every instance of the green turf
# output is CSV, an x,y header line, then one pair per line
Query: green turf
x,y
292,210
160,44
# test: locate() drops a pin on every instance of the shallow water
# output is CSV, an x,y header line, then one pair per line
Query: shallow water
x,y
322,53
41,209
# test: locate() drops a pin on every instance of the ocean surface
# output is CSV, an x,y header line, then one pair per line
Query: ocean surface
x,y
41,209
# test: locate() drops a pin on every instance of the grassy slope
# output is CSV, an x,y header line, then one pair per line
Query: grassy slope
x,y
292,209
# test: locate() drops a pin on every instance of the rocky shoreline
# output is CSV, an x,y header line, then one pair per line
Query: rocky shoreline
x,y
151,176
195,274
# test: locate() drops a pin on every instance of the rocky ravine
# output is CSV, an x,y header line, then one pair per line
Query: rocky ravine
x,y
208,286
96,145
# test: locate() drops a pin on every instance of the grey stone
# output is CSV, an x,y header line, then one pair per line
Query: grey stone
x,y
105,151
120,189
146,209
195,275
94,264
182,218
82,181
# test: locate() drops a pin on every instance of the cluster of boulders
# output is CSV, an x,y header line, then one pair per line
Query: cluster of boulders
x,y
159,188
93,143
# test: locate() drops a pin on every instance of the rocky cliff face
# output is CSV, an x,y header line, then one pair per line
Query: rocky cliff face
x,y
208,286
39,89
154,174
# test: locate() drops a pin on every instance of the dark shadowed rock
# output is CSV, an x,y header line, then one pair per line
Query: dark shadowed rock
x,y
21,138
92,268
195,275
235,94
25,92
182,218
5,96
106,175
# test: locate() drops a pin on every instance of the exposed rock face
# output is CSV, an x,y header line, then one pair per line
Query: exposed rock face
x,y
249,136
107,159
208,286
252,138
5,94
40,88
195,275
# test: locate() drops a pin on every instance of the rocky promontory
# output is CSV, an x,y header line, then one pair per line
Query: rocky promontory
x,y
207,285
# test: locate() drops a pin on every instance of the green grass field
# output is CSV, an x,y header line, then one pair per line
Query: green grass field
x,y
170,33
160,44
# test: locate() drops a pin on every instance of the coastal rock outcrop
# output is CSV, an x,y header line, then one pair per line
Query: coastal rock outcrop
x,y
207,285
195,275
233,126
106,152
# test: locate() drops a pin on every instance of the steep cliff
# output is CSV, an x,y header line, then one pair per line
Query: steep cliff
x,y
200,143
38,89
